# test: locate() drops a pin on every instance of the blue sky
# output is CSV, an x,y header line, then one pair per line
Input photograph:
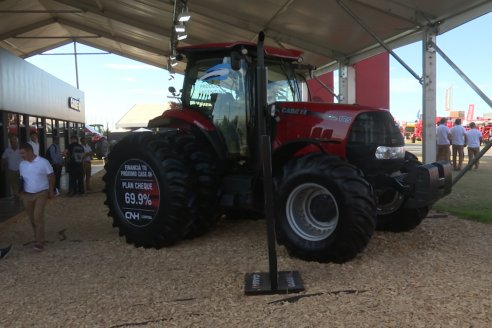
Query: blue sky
x,y
113,84
469,47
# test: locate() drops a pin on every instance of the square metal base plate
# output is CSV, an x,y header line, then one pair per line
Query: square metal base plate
x,y
258,283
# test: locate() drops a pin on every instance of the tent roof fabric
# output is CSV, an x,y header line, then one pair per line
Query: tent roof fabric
x,y
326,31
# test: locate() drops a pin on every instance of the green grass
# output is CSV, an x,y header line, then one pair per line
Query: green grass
x,y
471,197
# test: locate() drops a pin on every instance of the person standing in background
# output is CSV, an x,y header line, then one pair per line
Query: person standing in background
x,y
443,140
75,155
104,148
11,159
458,141
55,157
87,162
473,141
34,143
38,182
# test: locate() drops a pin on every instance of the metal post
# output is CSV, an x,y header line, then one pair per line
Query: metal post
x,y
346,84
324,85
273,281
266,153
429,97
76,64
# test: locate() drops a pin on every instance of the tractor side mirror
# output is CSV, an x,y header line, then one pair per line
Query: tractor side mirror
x,y
172,90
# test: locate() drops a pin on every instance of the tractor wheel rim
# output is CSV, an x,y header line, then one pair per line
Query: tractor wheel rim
x,y
388,201
312,212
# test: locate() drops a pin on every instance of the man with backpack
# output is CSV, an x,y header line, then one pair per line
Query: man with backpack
x,y
75,154
55,157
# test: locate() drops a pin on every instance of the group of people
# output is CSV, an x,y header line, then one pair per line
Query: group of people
x,y
77,161
458,138
78,165
35,179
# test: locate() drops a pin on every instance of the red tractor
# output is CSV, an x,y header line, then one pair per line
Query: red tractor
x,y
339,171
486,130
93,136
418,131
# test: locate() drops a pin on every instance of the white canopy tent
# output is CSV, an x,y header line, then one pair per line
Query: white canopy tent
x,y
333,34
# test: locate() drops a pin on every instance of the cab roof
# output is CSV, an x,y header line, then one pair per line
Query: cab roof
x,y
291,54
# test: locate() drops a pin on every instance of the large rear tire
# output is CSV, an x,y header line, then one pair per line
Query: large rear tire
x,y
398,218
147,191
206,181
325,209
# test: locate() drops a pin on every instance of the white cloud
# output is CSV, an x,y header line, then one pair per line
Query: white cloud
x,y
128,79
130,67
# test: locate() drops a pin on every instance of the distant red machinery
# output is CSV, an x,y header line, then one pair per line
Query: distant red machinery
x,y
486,129
418,129
96,139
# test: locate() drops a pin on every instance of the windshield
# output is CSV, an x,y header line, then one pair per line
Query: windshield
x,y
218,91
226,96
282,83
210,80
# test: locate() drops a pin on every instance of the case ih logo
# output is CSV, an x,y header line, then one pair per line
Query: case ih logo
x,y
74,103
324,116
294,111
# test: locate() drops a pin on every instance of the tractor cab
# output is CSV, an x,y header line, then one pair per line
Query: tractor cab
x,y
219,83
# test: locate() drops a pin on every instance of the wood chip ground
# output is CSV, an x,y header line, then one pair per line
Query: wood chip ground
x,y
439,275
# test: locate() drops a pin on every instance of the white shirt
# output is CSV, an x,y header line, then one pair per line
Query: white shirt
x,y
35,147
35,174
473,138
458,135
88,151
442,135
13,158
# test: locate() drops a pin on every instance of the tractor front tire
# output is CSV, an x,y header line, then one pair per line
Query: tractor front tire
x,y
403,219
147,189
325,209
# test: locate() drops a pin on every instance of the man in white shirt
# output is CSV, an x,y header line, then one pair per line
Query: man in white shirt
x,y
443,142
11,160
38,182
34,143
473,141
458,141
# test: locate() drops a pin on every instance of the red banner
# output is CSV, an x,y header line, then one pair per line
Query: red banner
x,y
471,111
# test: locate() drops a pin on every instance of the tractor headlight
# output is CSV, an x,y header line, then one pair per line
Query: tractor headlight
x,y
383,152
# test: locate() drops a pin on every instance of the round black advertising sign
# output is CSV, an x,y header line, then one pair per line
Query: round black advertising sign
x,y
137,192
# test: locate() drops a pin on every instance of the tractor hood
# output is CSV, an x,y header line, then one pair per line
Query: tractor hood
x,y
328,121
352,132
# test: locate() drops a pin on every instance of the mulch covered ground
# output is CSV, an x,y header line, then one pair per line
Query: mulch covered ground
x,y
439,275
